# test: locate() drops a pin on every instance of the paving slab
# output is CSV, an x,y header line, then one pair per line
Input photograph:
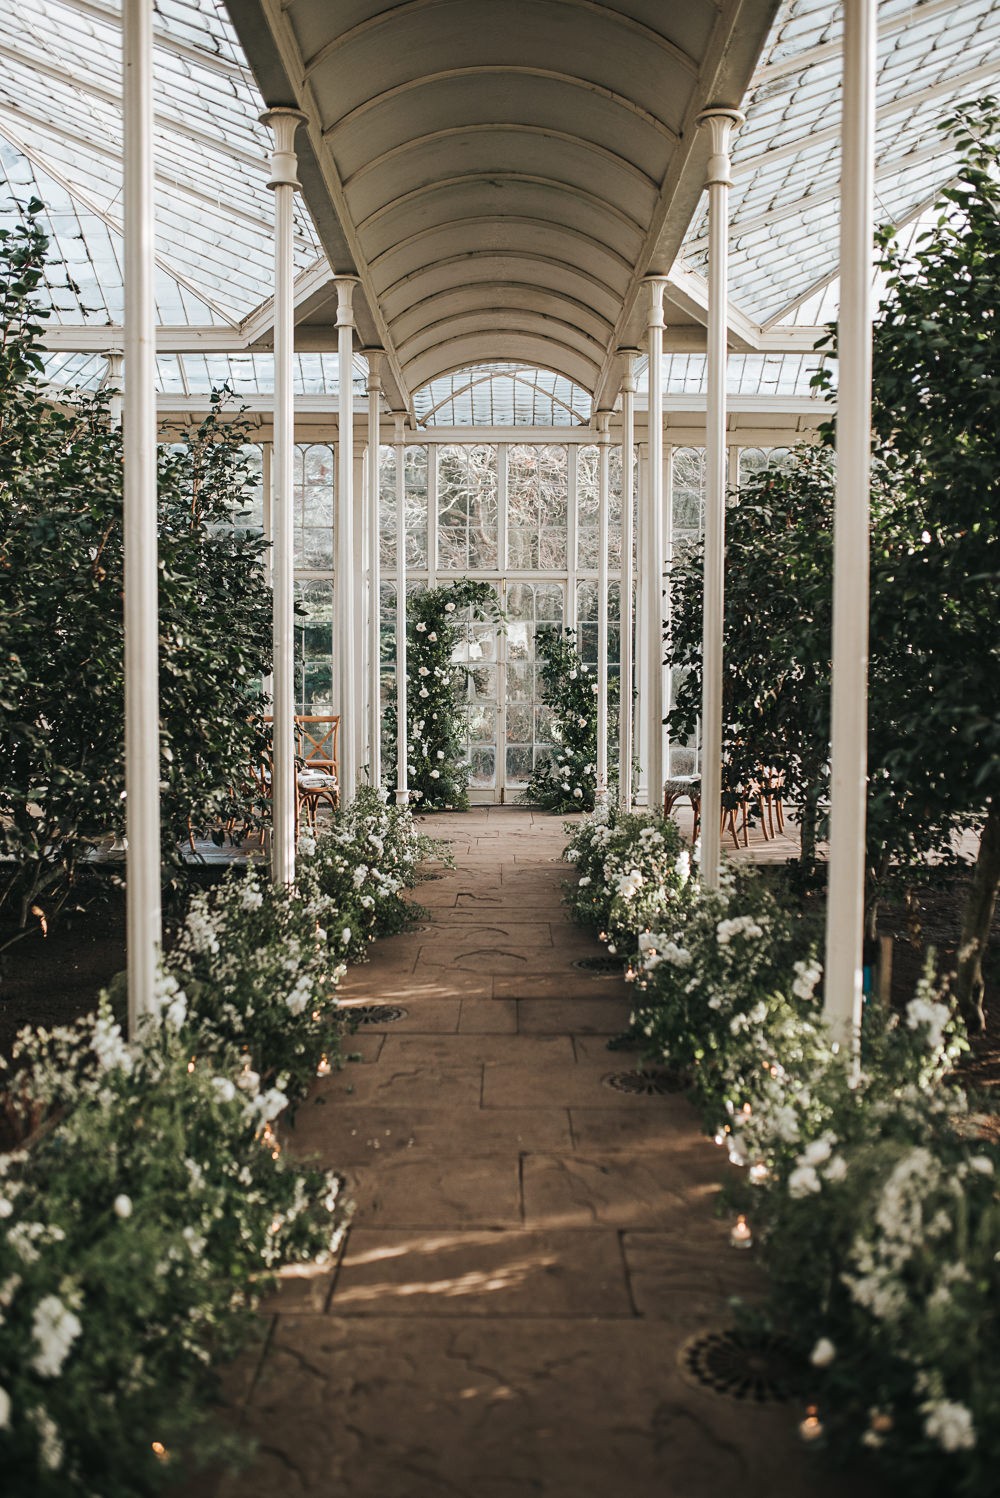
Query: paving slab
x,y
531,1249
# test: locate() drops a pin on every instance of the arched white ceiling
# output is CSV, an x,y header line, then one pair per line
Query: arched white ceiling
x,y
501,174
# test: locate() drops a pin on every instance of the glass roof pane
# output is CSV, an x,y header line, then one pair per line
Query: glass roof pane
x,y
502,394
60,87
786,158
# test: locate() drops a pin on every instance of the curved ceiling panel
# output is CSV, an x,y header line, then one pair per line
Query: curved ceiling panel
x,y
513,167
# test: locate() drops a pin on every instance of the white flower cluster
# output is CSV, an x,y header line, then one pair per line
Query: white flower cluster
x,y
740,925
630,884
54,1329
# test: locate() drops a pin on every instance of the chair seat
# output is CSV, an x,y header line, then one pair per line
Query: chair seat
x,y
681,785
310,781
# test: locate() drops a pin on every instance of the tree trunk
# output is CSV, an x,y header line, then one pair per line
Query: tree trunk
x,y
970,986
808,817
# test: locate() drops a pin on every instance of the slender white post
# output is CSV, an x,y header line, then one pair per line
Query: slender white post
x,y
113,381
625,649
653,562
720,123
668,563
374,573
142,722
402,743
345,589
849,728
283,181
603,463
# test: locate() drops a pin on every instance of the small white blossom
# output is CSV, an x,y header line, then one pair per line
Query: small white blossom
x,y
123,1206
949,1424
823,1353
803,1181
54,1329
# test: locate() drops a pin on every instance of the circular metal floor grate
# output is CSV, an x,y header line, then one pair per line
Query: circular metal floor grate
x,y
605,966
376,1014
647,1083
758,1368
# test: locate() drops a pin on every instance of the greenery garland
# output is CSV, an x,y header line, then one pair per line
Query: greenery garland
x,y
568,780
438,774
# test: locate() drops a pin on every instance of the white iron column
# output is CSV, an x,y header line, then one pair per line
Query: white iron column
x,y
283,181
653,561
625,649
402,742
374,573
346,593
142,712
845,897
720,123
604,456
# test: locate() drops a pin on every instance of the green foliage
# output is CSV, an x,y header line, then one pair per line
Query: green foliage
x,y
872,1199
147,1220
62,632
776,657
137,1236
437,769
568,780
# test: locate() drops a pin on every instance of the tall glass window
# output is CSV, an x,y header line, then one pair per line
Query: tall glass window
x,y
468,509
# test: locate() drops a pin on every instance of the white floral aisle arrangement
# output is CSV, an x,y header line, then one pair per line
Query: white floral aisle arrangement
x,y
139,1231
873,1200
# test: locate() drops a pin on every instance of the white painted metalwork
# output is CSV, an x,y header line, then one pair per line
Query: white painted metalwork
x,y
402,743
142,720
603,644
651,563
720,124
374,573
849,726
283,181
345,645
627,624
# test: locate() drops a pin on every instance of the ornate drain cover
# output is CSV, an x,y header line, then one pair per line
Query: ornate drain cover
x,y
375,1014
605,966
759,1368
647,1083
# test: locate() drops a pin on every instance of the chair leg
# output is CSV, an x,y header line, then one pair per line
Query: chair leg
x,y
696,825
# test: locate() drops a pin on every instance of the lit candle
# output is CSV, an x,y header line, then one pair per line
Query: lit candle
x,y
741,1236
191,1063
160,1452
323,1070
811,1427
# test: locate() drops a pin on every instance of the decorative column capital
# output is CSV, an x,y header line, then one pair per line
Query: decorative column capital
x,y
629,357
284,165
603,426
655,285
345,300
399,428
721,123
374,357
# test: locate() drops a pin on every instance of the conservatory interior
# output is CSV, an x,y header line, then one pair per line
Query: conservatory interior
x,y
539,454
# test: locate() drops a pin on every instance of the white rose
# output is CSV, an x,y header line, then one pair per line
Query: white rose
x,y
123,1206
449,608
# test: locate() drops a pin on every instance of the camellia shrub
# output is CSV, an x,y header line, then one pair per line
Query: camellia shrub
x,y
872,1194
567,781
437,770
62,626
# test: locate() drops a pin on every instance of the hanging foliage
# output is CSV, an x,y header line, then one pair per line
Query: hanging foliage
x,y
62,629
568,780
437,770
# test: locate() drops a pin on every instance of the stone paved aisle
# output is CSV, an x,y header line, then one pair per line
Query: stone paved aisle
x,y
530,1248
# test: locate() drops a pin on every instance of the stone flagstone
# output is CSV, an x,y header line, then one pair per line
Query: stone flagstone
x,y
531,1249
